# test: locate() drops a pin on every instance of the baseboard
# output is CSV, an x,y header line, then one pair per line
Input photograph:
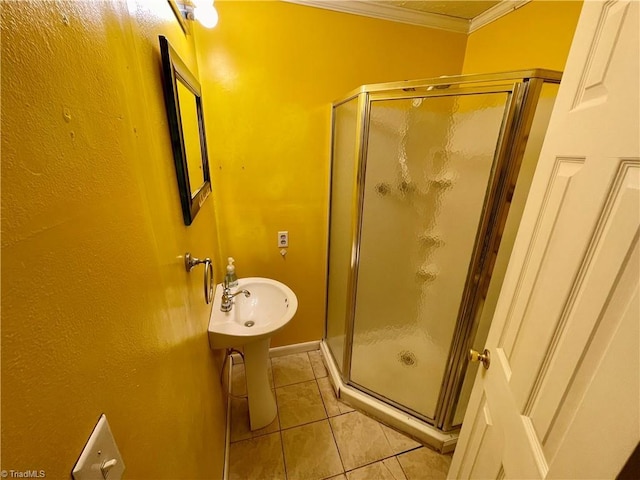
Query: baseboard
x,y
285,350
295,348
227,435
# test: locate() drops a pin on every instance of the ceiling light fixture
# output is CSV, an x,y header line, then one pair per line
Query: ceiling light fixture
x,y
203,11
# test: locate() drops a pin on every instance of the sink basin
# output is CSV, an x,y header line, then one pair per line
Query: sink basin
x,y
250,324
269,308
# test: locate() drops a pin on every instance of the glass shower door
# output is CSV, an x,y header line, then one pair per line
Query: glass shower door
x,y
341,227
429,166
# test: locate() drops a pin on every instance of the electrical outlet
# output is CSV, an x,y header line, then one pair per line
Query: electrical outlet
x,y
283,239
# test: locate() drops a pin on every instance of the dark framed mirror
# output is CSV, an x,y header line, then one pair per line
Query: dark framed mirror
x,y
183,99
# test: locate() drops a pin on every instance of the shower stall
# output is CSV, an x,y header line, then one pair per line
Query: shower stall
x,y
428,183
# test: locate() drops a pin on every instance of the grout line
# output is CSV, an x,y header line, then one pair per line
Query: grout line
x,y
327,417
297,383
386,458
335,442
326,411
321,361
401,467
284,459
306,355
384,465
412,449
312,421
385,436
306,423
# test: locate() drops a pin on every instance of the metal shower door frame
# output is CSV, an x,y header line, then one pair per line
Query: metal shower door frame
x,y
524,89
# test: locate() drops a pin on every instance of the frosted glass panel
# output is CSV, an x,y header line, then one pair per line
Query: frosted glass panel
x,y
340,236
429,162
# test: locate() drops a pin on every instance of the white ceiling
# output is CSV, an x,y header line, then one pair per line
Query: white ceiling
x,y
462,16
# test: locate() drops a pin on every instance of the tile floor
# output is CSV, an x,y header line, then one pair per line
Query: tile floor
x,y
316,436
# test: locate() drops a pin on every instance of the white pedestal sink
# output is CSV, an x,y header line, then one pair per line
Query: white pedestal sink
x,y
250,324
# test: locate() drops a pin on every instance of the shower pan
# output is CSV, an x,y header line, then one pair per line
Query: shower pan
x,y
428,183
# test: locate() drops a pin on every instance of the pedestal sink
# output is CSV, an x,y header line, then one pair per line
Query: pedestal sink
x,y
250,324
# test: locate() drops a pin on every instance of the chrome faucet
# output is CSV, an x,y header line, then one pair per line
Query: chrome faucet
x,y
227,296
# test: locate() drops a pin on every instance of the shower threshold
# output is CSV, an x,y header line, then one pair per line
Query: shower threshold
x,y
385,413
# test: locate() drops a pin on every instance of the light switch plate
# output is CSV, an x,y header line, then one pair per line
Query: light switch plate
x,y
96,461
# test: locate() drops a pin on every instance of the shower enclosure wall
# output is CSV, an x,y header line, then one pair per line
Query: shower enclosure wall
x,y
428,183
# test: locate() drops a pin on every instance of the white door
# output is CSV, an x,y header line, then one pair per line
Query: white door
x,y
561,398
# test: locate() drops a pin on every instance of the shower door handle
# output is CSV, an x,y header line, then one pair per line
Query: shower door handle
x,y
484,357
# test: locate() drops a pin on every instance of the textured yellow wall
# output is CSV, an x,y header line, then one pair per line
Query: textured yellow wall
x,y
98,313
270,71
537,35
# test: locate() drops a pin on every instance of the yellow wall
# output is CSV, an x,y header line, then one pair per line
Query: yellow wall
x,y
98,313
537,35
270,71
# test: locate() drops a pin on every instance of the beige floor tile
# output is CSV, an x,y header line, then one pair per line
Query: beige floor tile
x,y
329,397
240,426
299,403
424,463
239,382
338,477
257,458
310,452
291,369
394,467
360,439
240,429
399,442
388,469
272,427
344,408
319,370
333,405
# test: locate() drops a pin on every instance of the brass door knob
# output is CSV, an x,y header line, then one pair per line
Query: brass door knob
x,y
484,357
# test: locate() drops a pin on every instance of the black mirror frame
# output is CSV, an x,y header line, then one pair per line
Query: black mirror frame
x,y
174,70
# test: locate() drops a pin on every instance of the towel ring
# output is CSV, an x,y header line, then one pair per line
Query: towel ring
x,y
190,261
208,279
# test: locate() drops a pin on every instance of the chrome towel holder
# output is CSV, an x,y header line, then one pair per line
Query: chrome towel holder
x,y
190,261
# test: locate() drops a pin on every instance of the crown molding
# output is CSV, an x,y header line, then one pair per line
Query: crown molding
x,y
389,12
495,12
414,17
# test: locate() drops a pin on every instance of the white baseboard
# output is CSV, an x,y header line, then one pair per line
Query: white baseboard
x,y
285,350
227,435
295,348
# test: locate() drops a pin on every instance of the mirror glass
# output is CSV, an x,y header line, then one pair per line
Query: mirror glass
x,y
191,136
183,100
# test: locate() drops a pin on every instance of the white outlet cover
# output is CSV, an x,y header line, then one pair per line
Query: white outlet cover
x,y
96,459
283,239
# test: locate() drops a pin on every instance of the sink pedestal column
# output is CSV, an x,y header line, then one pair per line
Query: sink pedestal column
x,y
262,404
